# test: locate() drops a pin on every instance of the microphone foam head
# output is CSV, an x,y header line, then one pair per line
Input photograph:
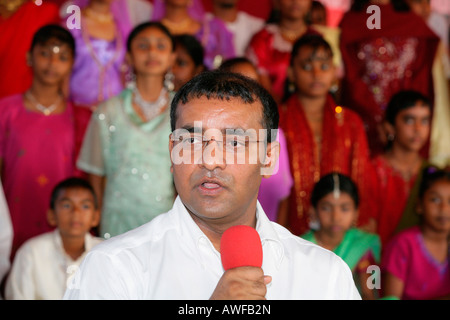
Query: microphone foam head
x,y
241,246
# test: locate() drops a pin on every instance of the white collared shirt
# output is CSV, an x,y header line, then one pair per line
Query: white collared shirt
x,y
41,268
171,258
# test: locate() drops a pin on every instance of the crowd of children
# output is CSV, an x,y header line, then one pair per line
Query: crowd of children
x,y
364,132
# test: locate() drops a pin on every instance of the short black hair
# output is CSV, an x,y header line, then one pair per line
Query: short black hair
x,y
150,24
193,47
217,84
228,64
326,186
72,183
53,31
312,40
402,100
431,175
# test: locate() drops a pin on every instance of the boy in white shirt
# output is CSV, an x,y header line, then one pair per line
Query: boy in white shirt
x,y
45,263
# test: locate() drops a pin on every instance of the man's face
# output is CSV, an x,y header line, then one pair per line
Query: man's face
x,y
221,190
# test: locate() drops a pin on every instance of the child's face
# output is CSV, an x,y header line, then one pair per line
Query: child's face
x,y
435,206
74,213
51,62
184,68
420,7
336,214
412,127
247,70
151,52
313,72
294,9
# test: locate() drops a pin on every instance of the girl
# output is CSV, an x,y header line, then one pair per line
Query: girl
x,y
189,61
125,147
97,73
397,170
270,49
187,17
37,134
335,201
321,136
415,264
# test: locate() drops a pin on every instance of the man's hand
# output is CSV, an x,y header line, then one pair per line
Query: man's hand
x,y
242,283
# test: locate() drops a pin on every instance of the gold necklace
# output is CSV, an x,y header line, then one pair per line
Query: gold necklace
x,y
291,35
11,5
100,17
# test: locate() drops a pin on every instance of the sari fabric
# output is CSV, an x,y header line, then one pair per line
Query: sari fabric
x,y
343,149
354,248
37,153
397,198
133,156
380,62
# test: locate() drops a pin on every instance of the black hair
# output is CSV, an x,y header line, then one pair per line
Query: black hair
x,y
193,47
228,64
326,185
53,31
312,40
399,5
217,84
145,25
431,175
72,183
402,100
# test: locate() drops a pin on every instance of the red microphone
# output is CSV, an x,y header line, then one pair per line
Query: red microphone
x,y
240,246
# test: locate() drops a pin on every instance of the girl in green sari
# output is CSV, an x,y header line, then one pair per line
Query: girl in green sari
x,y
335,201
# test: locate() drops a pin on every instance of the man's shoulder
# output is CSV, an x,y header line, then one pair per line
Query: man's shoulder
x,y
297,246
145,235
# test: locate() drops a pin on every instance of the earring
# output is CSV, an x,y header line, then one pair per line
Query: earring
x,y
391,137
291,87
130,79
168,81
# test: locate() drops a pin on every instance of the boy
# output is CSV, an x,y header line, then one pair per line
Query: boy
x,y
43,264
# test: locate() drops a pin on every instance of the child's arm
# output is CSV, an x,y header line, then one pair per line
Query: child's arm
x,y
98,183
392,285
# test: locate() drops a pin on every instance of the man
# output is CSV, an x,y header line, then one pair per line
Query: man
x,y
241,24
220,121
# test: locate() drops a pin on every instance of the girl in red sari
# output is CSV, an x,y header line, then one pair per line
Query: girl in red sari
x,y
398,170
380,62
321,136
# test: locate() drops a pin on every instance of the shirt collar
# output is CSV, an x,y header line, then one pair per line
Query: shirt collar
x,y
88,244
265,228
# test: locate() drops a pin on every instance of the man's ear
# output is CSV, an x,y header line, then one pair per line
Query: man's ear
x,y
51,218
171,142
270,163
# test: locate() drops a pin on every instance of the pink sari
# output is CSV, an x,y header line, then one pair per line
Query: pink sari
x,y
37,152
